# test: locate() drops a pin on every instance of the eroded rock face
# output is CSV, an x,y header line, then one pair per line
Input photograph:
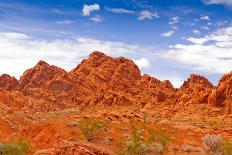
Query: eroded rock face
x,y
38,76
7,82
46,98
197,81
195,90
101,79
221,96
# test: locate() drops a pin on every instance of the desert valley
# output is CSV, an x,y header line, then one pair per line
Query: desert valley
x,y
105,106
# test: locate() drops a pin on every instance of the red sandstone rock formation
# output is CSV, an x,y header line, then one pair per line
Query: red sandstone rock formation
x,y
7,82
101,79
40,104
221,96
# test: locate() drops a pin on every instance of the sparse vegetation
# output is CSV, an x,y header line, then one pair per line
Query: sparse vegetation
x,y
212,143
227,147
19,147
91,127
143,140
190,148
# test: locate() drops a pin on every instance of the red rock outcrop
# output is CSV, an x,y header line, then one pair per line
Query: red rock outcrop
x,y
42,103
194,91
7,82
38,76
104,79
221,96
101,79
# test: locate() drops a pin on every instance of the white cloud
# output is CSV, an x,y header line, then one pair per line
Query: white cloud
x,y
145,14
174,20
87,9
168,34
224,2
65,22
205,27
206,18
142,63
196,31
120,11
212,53
21,51
197,40
97,19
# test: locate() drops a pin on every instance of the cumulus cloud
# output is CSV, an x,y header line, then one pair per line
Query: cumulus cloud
x,y
206,18
21,51
142,63
196,31
174,20
224,2
212,53
168,34
145,14
97,19
87,9
120,11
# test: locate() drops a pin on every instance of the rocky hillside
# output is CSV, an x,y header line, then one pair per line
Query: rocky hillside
x,y
46,104
103,80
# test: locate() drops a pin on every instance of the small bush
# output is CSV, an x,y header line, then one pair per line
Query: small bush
x,y
90,127
160,138
135,144
143,140
20,147
212,143
190,148
227,147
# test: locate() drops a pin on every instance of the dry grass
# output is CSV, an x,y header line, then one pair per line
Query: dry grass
x,y
19,147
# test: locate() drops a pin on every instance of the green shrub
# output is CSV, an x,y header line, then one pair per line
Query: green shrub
x,y
143,140
159,139
90,127
135,144
20,147
227,147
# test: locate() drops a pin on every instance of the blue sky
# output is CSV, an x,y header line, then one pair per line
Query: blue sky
x,y
167,39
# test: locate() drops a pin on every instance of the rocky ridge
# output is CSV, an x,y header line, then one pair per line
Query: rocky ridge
x,y
42,103
104,80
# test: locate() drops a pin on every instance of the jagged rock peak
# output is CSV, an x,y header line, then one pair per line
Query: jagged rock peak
x,y
7,82
197,80
225,78
97,54
168,84
42,72
42,63
103,66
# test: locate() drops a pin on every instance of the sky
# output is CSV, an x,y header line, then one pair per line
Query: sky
x,y
168,39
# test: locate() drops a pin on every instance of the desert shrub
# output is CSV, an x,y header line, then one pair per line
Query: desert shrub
x,y
190,148
90,127
19,147
159,138
135,144
212,143
227,147
143,140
